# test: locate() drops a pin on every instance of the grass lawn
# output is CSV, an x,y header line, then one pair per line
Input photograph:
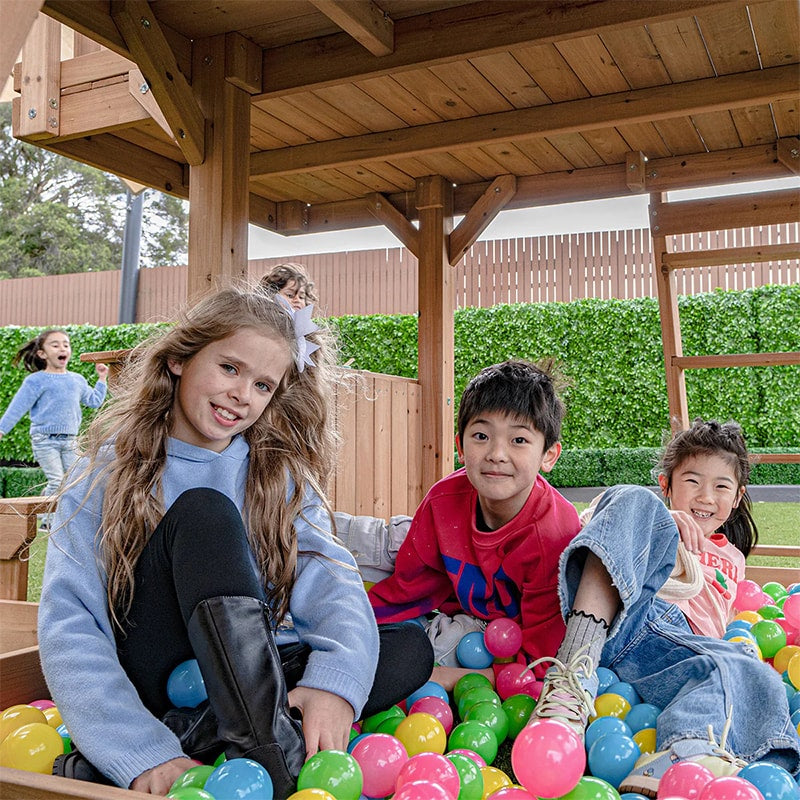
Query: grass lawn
x,y
778,523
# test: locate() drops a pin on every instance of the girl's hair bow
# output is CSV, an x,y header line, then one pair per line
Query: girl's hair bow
x,y
303,327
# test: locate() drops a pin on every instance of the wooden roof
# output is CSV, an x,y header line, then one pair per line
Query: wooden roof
x,y
561,100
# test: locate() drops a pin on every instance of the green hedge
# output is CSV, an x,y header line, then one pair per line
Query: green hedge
x,y
608,352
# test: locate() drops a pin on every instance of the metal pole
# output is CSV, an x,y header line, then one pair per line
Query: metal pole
x,y
129,280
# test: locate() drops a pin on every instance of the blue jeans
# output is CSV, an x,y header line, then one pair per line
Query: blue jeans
x,y
695,680
55,454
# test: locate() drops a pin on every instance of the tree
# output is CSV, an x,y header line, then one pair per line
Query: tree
x,y
59,216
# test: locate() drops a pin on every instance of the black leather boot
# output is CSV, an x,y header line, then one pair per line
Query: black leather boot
x,y
233,643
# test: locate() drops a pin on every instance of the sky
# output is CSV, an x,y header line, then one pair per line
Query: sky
x,y
596,215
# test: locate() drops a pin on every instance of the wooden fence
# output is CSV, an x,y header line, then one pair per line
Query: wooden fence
x,y
564,267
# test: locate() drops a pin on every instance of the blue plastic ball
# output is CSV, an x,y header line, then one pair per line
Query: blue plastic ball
x,y
606,677
185,685
739,624
633,796
239,779
603,726
794,702
612,757
642,715
626,690
774,782
471,651
429,689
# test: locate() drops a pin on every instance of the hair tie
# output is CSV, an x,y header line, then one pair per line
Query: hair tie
x,y
303,327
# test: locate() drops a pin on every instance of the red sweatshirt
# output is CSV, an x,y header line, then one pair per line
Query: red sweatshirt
x,y
447,564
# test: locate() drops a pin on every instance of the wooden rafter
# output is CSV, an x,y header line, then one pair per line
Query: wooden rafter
x,y
576,116
363,20
385,213
139,90
459,33
154,56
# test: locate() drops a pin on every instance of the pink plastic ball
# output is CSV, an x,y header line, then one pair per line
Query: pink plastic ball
x,y
730,787
749,596
381,757
436,707
512,679
685,779
478,759
42,704
791,610
422,790
792,631
548,758
430,768
503,637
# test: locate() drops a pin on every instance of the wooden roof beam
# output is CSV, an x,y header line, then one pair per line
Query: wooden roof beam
x,y
459,33
153,54
18,19
576,116
397,223
789,153
363,20
480,216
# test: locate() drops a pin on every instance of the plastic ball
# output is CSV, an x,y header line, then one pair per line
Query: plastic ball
x,y
53,716
794,701
775,590
32,747
730,787
511,793
749,596
429,689
548,758
791,609
591,788
479,694
633,796
739,624
381,758
431,768
16,716
196,776
642,715
685,779
62,731
240,779
421,733
493,780
469,775
602,726
471,651
334,771
626,690
311,794
492,716
606,677
436,707
612,757
748,616
646,739
611,705
355,740
774,782
185,685
513,678
469,681
474,735
793,670
770,612
782,658
189,793
389,725
518,708
503,637
770,637
370,724
465,751
42,704
422,790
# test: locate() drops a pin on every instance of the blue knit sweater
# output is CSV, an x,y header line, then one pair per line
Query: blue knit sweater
x,y
101,708
54,400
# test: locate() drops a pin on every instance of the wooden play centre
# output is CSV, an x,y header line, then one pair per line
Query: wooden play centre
x,y
428,117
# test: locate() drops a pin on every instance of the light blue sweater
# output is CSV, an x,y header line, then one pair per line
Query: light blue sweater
x,y
54,400
329,611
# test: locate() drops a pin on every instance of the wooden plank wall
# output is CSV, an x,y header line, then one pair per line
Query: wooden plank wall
x,y
378,471
540,269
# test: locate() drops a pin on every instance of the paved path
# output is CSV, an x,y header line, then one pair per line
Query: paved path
x,y
773,494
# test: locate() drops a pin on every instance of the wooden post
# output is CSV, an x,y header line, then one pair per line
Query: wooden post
x,y
19,17
219,187
670,321
434,201
40,88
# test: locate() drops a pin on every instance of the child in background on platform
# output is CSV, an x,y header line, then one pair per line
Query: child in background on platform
x,y
198,529
292,282
53,395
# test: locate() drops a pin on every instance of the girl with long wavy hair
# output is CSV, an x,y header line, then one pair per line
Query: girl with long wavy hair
x,y
199,529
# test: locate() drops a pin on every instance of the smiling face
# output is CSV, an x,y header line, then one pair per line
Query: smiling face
x,y
502,456
55,352
704,486
226,386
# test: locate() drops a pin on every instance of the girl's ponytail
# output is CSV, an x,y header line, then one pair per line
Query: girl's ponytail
x,y
28,354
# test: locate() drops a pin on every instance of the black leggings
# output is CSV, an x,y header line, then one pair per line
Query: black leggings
x,y
199,550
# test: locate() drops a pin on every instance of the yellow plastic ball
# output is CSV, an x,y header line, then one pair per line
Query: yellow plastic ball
x,y
610,705
749,616
15,717
53,716
421,733
493,780
782,658
312,794
32,747
646,739
793,670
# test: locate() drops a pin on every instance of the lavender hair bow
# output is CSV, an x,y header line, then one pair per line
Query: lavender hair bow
x,y
303,327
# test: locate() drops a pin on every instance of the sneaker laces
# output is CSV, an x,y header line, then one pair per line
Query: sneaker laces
x,y
719,749
564,695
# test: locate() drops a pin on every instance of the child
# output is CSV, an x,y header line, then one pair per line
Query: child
x,y
493,535
53,395
198,530
290,280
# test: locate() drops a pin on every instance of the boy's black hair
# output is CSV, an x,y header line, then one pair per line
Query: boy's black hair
x,y
516,388
28,354
725,440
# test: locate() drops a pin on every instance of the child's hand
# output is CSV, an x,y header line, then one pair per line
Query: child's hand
x,y
690,532
102,371
158,780
327,719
